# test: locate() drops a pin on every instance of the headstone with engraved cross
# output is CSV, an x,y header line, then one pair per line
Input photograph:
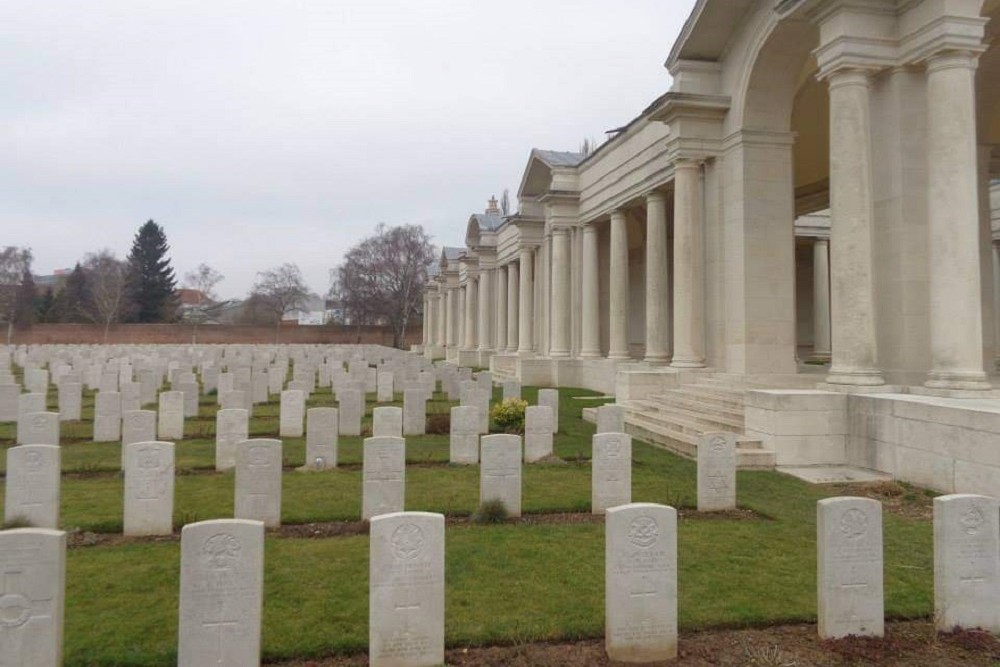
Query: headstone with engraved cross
x,y
32,594
221,597
717,472
406,590
500,471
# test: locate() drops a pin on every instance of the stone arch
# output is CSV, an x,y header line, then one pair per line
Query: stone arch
x,y
776,66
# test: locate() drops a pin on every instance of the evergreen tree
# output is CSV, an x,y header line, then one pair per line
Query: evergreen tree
x,y
45,306
71,301
27,293
151,283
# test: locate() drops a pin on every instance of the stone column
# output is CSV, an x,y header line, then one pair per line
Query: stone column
x,y
995,248
526,311
559,346
855,352
501,330
590,344
657,281
485,298
953,218
821,298
512,307
618,292
423,328
442,317
471,312
689,267
431,319
450,313
460,317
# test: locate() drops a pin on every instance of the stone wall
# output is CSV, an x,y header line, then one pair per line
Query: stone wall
x,y
69,334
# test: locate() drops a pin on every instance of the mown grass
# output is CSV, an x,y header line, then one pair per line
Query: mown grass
x,y
505,583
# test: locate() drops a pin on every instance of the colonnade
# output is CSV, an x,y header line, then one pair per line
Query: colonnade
x,y
545,295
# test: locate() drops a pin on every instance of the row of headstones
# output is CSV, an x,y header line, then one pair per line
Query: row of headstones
x,y
256,387
222,572
33,477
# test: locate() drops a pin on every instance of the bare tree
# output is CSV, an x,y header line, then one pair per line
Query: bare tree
x,y
279,291
505,203
106,277
14,264
384,275
353,285
203,280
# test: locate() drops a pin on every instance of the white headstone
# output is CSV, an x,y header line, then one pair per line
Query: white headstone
x,y
131,393
611,479
384,471
966,562
293,412
321,438
232,427
108,417
550,398
511,389
138,426
414,410
849,552
537,433
33,561
640,574
233,400
384,389
388,422
191,396
222,593
406,602
149,488
351,404
500,471
258,481
32,485
171,416
38,428
28,404
717,472
9,394
611,419
70,401
464,435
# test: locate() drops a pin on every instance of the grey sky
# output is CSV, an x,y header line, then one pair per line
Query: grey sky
x,y
259,132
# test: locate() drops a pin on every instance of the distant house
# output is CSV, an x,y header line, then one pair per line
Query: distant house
x,y
312,313
53,281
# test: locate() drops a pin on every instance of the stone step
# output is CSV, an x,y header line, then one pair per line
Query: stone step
x,y
683,428
704,420
749,454
681,401
710,397
687,401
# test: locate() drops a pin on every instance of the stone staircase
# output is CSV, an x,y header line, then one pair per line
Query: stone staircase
x,y
677,418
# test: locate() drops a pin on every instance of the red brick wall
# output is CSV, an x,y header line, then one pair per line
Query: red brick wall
x,y
69,334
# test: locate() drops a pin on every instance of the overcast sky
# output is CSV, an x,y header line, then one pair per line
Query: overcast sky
x,y
259,132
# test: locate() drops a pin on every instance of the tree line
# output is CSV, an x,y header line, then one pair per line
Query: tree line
x,y
100,289
379,282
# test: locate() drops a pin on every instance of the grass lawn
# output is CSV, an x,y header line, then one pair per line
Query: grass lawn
x,y
505,583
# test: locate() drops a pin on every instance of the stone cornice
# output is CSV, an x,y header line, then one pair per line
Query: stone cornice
x,y
674,106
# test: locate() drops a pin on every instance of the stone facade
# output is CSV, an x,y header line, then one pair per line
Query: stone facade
x,y
821,184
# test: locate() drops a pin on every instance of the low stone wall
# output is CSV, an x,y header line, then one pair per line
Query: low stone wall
x,y
951,445
179,334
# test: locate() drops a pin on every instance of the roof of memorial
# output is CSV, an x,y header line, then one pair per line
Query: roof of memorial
x,y
559,158
487,221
